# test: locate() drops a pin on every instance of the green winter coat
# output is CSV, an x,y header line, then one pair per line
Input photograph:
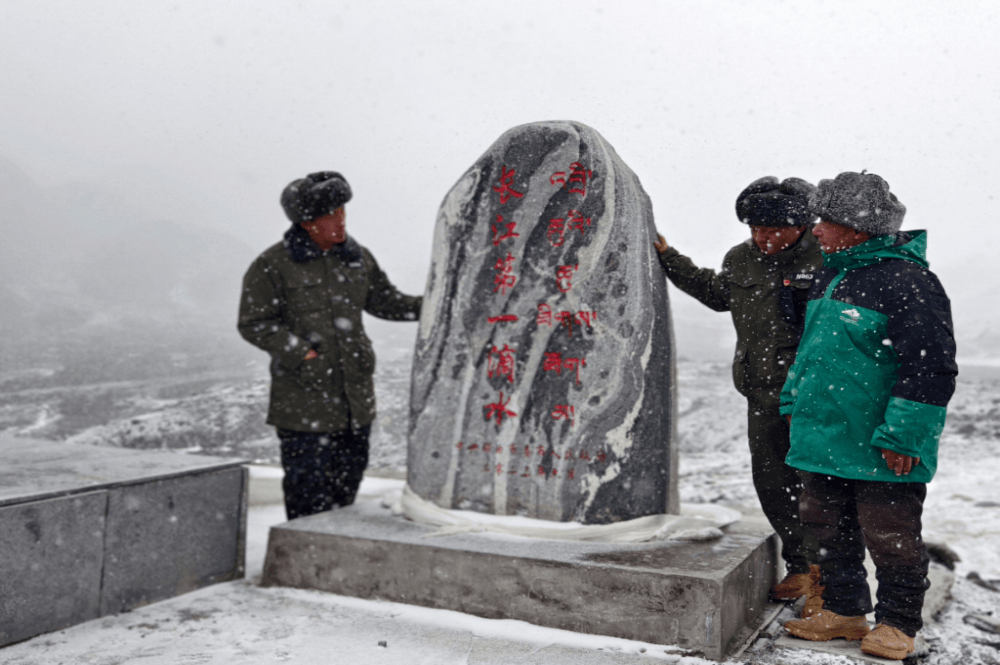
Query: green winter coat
x,y
876,366
766,295
290,306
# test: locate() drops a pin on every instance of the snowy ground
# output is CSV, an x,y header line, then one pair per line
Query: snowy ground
x,y
239,622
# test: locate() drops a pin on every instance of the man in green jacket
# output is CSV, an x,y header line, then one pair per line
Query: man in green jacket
x,y
763,283
302,302
866,399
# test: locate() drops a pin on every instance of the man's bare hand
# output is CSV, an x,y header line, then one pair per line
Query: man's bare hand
x,y
900,464
311,354
788,417
660,244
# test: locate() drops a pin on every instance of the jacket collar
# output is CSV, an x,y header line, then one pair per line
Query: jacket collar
x,y
908,246
302,249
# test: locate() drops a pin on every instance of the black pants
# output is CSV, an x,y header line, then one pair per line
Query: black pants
x,y
847,515
778,485
322,469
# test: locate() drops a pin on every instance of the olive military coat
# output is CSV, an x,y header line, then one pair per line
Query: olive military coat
x,y
294,301
766,295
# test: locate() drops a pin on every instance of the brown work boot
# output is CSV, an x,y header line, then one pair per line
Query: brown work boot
x,y
825,625
888,642
814,601
796,585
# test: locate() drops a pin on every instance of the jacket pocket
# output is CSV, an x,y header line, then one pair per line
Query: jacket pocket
x,y
315,374
740,368
305,293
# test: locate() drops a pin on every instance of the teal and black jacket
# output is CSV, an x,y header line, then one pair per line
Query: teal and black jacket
x,y
876,365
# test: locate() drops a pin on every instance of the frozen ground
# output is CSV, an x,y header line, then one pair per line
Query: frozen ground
x,y
239,622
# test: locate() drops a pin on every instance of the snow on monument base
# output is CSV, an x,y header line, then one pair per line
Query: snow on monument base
x,y
704,597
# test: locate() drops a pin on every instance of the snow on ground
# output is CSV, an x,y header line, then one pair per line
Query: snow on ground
x,y
239,622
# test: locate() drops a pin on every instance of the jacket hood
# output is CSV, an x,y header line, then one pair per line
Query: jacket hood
x,y
905,245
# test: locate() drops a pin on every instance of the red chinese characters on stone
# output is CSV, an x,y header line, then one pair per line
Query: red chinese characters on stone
x,y
506,318
506,235
555,234
505,189
563,412
569,319
499,409
544,316
505,278
564,276
500,363
554,362
578,177
576,220
559,225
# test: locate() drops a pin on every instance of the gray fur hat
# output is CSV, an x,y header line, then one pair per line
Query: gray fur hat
x,y
767,202
315,195
861,201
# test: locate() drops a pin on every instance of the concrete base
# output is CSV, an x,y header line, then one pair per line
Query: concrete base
x,y
704,597
90,531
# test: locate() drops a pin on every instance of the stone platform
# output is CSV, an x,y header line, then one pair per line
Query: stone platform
x,y
706,597
88,531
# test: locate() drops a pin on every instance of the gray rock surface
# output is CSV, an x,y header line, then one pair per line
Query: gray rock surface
x,y
543,378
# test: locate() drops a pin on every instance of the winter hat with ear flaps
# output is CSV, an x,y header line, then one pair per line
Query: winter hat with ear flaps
x,y
315,195
861,201
767,202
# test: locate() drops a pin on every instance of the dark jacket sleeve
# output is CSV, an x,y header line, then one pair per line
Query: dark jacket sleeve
x,y
703,284
385,302
920,331
260,319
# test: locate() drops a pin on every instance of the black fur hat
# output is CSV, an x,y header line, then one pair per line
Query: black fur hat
x,y
315,195
766,202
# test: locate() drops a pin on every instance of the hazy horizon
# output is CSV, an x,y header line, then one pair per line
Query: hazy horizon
x,y
202,114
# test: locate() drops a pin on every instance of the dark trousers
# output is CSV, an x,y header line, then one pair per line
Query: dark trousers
x,y
322,469
778,485
848,515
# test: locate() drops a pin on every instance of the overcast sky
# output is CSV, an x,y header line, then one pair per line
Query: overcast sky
x,y
225,102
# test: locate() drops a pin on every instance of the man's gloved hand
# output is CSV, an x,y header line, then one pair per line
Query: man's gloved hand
x,y
901,464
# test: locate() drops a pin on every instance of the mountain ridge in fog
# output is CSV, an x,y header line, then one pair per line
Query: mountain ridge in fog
x,y
119,268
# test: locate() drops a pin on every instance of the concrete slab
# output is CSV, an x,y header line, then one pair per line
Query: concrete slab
x,y
50,564
168,537
88,531
704,597
34,469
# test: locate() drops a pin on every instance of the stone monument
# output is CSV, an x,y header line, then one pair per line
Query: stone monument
x,y
543,378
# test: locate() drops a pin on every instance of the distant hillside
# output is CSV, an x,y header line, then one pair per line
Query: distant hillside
x,y
89,278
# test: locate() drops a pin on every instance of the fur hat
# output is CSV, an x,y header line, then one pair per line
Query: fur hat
x,y
766,202
861,201
315,195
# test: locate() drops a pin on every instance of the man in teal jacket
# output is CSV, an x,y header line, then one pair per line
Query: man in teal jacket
x,y
866,398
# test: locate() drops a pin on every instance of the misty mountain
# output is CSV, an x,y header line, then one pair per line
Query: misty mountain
x,y
86,273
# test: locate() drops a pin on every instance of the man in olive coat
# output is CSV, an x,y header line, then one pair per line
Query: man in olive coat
x,y
302,302
764,283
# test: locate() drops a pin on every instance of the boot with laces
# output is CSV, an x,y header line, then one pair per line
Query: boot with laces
x,y
888,642
796,585
814,601
826,625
